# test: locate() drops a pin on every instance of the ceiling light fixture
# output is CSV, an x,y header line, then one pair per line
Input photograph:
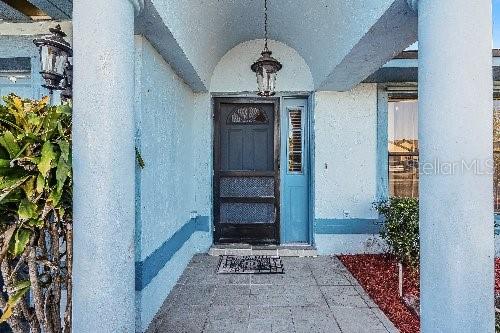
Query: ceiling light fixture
x,y
266,66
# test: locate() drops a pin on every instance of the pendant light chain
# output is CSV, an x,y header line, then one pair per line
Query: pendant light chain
x,y
266,66
265,24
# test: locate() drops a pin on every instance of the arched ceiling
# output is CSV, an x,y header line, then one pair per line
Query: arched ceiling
x,y
233,74
323,32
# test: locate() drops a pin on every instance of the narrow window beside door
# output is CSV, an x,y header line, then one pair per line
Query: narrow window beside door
x,y
295,140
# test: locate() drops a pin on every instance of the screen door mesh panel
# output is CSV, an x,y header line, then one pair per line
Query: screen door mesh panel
x,y
241,213
247,187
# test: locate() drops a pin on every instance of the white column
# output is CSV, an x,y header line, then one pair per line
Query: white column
x,y
104,166
456,194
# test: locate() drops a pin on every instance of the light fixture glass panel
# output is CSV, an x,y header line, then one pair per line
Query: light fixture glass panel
x,y
46,57
266,78
60,62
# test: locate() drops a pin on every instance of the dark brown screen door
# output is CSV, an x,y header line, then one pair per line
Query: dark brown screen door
x,y
246,179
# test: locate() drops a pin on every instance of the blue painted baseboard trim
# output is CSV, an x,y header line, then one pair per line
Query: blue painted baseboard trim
x,y
347,226
146,270
361,226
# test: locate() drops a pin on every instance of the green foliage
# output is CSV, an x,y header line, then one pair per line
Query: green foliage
x,y
20,290
400,229
139,158
35,176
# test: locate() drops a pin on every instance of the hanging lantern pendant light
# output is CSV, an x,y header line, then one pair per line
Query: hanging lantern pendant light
x,y
266,66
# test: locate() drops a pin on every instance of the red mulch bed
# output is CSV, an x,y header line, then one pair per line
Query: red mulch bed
x,y
378,275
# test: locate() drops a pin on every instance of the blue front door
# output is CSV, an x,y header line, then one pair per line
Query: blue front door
x,y
295,171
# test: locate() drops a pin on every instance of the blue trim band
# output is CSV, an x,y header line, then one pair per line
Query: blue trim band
x,y
361,226
347,226
146,270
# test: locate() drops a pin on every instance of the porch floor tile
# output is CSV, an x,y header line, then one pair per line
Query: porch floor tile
x,y
316,294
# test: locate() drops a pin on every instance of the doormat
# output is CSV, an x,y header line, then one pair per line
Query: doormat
x,y
250,265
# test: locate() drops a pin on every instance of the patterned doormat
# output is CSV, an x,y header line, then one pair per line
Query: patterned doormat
x,y
250,265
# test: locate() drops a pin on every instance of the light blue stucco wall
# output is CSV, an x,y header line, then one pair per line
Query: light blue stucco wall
x,y
172,184
346,173
202,135
22,87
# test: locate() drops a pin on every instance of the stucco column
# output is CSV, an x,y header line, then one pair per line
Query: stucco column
x,y
104,166
456,194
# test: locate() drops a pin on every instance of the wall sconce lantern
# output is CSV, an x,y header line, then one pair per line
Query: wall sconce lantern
x,y
266,66
67,83
55,52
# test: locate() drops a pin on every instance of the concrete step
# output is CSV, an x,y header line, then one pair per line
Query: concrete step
x,y
263,250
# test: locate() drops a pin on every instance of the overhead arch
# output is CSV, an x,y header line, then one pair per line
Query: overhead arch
x,y
233,74
343,42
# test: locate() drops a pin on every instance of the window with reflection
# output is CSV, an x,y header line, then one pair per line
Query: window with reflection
x,y
403,148
496,154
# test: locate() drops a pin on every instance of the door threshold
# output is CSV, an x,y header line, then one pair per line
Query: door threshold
x,y
289,250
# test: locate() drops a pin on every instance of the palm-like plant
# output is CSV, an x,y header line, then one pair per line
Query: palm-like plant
x,y
35,214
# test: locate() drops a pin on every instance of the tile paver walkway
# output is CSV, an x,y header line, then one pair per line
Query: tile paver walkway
x,y
314,295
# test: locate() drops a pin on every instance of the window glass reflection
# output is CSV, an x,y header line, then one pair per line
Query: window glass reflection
x,y
403,148
496,154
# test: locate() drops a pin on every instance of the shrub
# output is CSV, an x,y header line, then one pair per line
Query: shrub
x,y
400,230
35,214
497,321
